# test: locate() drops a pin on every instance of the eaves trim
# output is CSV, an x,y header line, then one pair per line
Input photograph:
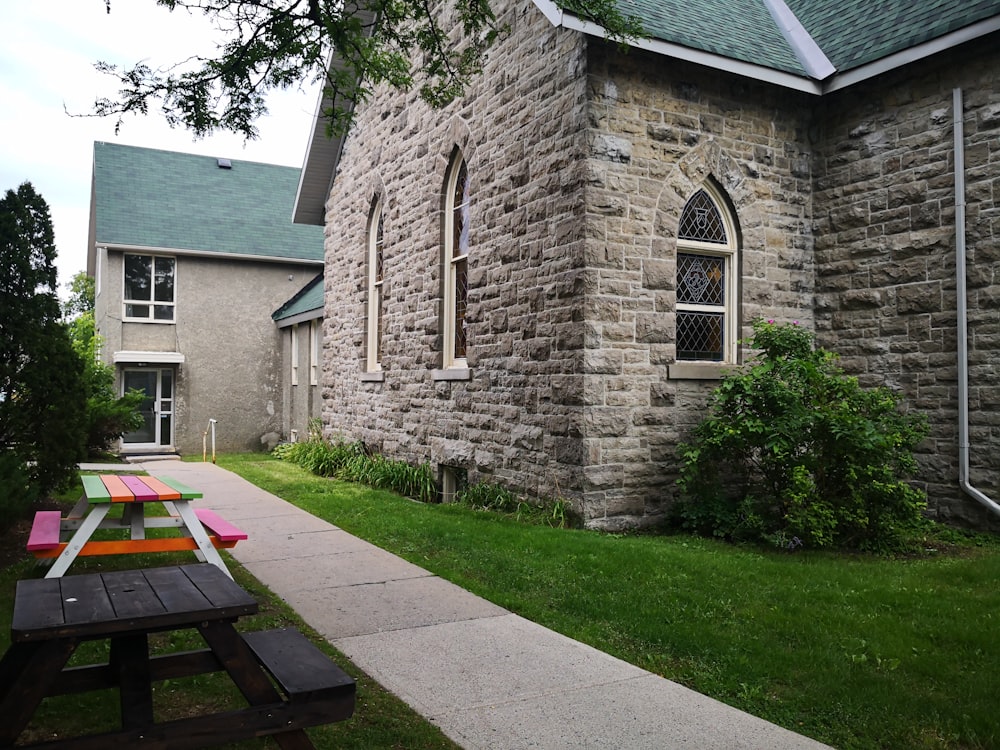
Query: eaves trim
x,y
303,317
208,254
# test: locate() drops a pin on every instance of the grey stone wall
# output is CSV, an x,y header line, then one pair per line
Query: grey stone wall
x,y
653,141
520,131
578,181
885,255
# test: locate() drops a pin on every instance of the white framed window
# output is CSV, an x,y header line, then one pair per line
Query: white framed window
x,y
376,258
148,289
706,280
315,327
456,262
294,332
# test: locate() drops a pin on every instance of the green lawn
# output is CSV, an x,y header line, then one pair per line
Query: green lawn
x,y
855,651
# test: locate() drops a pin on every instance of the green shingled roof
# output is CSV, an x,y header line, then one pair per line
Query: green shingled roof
x,y
308,299
739,29
851,33
855,32
150,198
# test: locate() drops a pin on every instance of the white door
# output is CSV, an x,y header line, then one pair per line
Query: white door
x,y
157,430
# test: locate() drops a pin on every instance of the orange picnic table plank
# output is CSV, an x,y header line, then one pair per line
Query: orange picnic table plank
x,y
119,491
164,490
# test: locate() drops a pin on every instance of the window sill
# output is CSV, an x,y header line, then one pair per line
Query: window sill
x,y
149,320
373,377
455,373
698,370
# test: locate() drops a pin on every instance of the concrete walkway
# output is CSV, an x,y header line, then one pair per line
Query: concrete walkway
x,y
490,679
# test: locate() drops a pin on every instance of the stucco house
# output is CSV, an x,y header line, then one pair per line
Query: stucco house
x,y
191,255
540,284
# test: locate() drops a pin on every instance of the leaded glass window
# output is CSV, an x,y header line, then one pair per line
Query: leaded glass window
x,y
702,221
706,300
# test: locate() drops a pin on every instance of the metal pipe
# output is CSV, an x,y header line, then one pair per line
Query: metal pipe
x,y
962,310
204,438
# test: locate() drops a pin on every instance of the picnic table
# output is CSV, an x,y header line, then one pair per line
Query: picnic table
x,y
53,616
65,539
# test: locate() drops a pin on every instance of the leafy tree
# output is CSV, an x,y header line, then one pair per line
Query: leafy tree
x,y
81,295
795,452
41,390
108,416
276,44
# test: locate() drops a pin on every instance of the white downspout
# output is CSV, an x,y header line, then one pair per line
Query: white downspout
x,y
963,313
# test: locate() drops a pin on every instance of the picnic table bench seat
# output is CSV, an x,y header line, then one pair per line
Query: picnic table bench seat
x,y
303,672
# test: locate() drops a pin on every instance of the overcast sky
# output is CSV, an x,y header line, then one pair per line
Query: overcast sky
x,y
46,68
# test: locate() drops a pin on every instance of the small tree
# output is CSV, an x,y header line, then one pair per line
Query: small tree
x,y
795,452
41,390
108,416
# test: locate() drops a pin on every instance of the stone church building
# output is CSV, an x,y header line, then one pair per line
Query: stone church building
x,y
540,284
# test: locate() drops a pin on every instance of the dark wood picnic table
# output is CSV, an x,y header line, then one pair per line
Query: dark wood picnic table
x,y
53,616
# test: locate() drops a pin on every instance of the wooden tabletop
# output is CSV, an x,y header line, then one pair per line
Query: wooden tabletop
x,y
102,604
128,488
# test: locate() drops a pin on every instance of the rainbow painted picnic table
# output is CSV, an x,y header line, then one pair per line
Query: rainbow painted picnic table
x,y
69,537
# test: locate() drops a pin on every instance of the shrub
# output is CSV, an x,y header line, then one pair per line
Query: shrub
x,y
796,453
353,462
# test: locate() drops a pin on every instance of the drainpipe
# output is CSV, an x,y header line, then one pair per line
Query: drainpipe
x,y
963,313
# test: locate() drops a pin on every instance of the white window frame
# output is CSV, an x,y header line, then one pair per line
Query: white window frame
x,y
152,303
451,262
315,326
728,252
376,246
294,331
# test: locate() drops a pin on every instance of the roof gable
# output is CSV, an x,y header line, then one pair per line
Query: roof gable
x,y
150,198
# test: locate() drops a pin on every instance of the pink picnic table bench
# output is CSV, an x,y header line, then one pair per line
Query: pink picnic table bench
x,y
63,539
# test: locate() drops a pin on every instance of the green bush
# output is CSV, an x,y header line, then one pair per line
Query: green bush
x,y
794,452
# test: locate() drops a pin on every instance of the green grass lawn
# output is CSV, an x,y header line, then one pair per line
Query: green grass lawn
x,y
855,651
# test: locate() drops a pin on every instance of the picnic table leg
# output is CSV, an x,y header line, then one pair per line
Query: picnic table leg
x,y
80,508
134,516
206,550
235,655
76,542
41,664
130,662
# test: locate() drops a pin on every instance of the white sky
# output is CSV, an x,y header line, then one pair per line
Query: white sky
x,y
46,68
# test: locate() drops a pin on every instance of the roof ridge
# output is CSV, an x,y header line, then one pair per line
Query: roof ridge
x,y
809,53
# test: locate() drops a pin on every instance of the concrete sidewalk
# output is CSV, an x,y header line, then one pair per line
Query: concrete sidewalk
x,y
490,679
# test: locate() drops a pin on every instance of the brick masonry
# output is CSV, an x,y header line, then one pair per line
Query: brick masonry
x,y
581,162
